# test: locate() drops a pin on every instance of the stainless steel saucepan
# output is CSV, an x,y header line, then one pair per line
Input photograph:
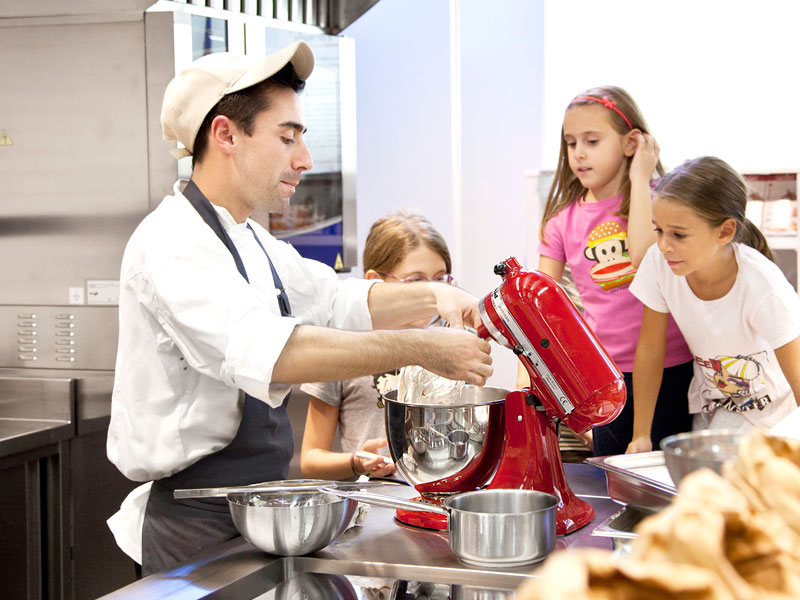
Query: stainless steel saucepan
x,y
490,527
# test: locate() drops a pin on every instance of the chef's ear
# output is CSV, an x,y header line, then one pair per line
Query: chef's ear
x,y
223,133
372,274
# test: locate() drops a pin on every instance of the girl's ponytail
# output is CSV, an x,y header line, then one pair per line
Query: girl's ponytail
x,y
751,235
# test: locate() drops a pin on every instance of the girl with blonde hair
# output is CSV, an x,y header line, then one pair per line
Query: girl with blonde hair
x,y
403,247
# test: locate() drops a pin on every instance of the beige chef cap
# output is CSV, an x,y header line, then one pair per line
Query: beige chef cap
x,y
197,89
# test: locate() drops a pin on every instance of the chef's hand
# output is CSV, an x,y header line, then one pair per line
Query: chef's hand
x,y
377,466
455,306
455,354
645,156
640,444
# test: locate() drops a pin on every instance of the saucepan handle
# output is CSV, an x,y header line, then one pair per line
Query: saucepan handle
x,y
387,501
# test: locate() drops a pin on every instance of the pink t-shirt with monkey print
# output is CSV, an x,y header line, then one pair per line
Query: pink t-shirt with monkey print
x,y
592,240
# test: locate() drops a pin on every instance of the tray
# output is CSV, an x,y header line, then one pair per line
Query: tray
x,y
639,480
621,524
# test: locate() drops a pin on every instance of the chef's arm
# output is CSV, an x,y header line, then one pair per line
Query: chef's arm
x,y
788,357
324,354
392,306
648,370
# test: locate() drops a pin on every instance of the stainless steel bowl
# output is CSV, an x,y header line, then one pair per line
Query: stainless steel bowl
x,y
290,524
709,448
429,442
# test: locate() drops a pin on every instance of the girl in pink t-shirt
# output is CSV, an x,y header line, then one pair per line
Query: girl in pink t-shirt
x,y
597,220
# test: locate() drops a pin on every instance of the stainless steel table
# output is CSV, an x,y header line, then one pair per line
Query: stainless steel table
x,y
35,413
380,548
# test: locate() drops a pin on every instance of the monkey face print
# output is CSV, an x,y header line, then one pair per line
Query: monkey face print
x,y
607,246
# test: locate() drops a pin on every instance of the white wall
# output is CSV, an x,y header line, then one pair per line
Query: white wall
x,y
457,98
403,102
501,52
449,115
713,77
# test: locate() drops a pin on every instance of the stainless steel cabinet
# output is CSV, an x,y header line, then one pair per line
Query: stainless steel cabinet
x,y
57,487
32,559
96,489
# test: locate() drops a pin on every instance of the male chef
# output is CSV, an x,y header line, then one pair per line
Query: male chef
x,y
218,318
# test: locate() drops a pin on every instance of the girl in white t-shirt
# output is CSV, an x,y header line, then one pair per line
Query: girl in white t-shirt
x,y
712,270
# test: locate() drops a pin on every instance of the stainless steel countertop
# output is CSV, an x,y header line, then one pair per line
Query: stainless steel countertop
x,y
39,407
35,412
382,547
92,393
19,435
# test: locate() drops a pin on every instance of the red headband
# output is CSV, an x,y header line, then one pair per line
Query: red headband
x,y
612,104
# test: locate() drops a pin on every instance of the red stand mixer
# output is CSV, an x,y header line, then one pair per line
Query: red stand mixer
x,y
496,439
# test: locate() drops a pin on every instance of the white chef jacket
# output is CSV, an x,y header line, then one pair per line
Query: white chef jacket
x,y
193,332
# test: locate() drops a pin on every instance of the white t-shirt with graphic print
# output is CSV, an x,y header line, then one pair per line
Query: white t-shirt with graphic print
x,y
733,338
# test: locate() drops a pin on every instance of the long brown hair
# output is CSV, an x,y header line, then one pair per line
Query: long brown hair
x,y
566,187
391,238
716,193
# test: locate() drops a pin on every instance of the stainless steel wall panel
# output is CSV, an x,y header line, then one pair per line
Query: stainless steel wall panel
x,y
75,182
58,337
159,49
46,8
347,102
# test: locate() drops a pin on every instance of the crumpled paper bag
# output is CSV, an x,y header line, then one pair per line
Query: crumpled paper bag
x,y
591,574
735,537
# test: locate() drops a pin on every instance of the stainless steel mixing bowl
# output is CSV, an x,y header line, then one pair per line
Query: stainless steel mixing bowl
x,y
709,448
290,523
429,442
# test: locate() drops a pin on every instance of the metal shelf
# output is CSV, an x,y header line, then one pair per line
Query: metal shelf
x,y
780,241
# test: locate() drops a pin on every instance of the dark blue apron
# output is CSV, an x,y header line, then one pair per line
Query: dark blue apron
x,y
261,450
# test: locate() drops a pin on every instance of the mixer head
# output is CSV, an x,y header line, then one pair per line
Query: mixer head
x,y
571,373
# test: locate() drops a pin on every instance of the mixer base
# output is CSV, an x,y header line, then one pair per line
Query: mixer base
x,y
421,518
